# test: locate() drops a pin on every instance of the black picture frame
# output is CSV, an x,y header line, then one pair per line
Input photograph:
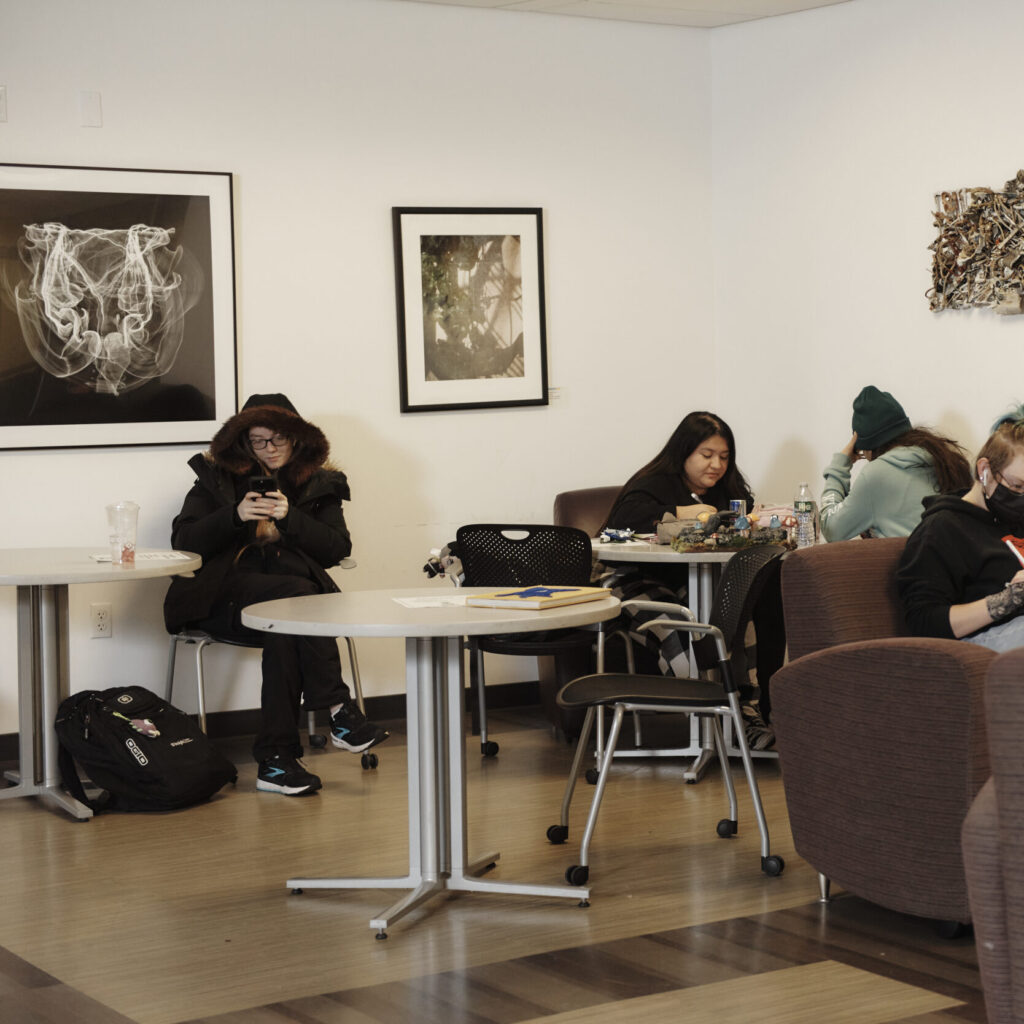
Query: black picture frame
x,y
117,306
470,300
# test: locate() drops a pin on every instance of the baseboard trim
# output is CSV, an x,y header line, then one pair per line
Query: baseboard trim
x,y
226,724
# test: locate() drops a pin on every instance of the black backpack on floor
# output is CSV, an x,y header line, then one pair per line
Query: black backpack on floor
x,y
145,753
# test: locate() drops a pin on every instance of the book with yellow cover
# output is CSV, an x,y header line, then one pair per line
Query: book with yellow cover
x,y
537,597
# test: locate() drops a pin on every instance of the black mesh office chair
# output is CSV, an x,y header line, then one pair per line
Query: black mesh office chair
x,y
510,555
722,662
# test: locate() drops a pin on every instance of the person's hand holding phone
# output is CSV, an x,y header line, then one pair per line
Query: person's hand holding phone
x,y
263,500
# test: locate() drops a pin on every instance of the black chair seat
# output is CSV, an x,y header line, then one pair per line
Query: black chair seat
x,y
623,688
552,641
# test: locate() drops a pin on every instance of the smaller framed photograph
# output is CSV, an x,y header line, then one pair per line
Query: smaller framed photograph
x,y
470,291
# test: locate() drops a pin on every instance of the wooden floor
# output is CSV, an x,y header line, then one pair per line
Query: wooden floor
x,y
186,917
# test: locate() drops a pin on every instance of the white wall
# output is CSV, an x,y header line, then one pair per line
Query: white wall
x,y
832,132
329,113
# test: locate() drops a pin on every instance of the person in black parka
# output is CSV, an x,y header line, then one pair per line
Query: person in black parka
x,y
262,546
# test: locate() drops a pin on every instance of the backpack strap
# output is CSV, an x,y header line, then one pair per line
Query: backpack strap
x,y
73,784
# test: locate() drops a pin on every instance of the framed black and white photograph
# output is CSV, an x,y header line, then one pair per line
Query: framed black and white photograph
x,y
117,306
470,288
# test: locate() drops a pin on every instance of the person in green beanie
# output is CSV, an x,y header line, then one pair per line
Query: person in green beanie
x,y
905,465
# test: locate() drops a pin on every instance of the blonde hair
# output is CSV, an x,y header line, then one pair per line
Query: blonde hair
x,y
1005,441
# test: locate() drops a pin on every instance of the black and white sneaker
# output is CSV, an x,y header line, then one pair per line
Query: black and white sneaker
x,y
351,731
760,735
283,774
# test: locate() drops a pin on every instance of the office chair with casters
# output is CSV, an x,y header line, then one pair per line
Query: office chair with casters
x,y
511,555
200,639
714,696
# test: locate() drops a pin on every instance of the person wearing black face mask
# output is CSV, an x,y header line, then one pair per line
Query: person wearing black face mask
x,y
961,574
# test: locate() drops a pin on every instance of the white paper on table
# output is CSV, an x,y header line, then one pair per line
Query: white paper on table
x,y
440,601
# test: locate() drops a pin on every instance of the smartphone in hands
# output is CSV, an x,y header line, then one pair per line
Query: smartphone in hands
x,y
262,484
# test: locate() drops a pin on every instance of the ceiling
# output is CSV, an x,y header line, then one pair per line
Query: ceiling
x,y
689,13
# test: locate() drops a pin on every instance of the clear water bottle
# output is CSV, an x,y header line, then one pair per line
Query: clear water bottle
x,y
804,510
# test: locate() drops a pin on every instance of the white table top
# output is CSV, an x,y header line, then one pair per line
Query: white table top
x,y
644,551
37,566
377,613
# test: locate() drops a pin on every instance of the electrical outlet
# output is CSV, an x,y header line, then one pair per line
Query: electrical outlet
x,y
102,620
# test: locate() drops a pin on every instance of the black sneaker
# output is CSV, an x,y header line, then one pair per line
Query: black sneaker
x,y
760,735
284,774
351,731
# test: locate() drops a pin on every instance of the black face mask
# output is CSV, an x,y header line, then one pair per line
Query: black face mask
x,y
1008,508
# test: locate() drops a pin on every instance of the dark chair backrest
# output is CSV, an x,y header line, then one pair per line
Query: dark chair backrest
x,y
843,592
513,555
587,509
745,576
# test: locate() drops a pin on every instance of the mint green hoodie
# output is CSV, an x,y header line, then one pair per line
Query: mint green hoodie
x,y
886,499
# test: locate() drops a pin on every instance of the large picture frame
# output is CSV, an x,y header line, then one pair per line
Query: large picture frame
x,y
117,306
470,293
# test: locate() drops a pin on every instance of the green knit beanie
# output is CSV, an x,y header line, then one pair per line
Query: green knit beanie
x,y
877,418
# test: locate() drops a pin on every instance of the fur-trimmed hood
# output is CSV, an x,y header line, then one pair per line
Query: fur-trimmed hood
x,y
230,450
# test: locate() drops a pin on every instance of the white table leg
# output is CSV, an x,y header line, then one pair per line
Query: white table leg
x,y
464,873
422,840
42,681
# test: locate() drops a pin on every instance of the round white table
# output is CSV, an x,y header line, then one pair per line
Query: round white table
x,y
42,576
703,567
433,624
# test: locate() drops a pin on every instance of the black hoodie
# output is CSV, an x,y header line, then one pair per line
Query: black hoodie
x,y
312,535
955,555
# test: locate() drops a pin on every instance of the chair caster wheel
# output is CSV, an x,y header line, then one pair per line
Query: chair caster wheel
x,y
591,775
577,874
772,866
558,833
727,828
381,935
296,892
316,740
369,761
489,749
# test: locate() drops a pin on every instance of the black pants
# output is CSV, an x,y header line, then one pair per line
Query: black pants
x,y
296,669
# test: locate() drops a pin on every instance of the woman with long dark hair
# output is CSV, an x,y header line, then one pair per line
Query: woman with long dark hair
x,y
905,465
696,468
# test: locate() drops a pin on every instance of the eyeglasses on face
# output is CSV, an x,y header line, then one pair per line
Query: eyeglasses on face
x,y
277,441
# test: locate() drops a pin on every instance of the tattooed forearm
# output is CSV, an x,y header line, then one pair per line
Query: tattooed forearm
x,y
1006,602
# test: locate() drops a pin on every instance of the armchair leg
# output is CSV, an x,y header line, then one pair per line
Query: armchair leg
x,y
824,887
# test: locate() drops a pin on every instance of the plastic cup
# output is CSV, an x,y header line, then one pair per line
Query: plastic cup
x,y
123,520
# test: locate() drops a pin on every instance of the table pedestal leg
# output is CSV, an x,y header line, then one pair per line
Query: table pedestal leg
x,y
464,873
42,681
424,875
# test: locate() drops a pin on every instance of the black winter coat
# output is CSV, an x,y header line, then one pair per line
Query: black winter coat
x,y
314,531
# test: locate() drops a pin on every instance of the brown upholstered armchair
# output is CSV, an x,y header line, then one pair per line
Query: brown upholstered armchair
x,y
881,736
587,509
993,838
